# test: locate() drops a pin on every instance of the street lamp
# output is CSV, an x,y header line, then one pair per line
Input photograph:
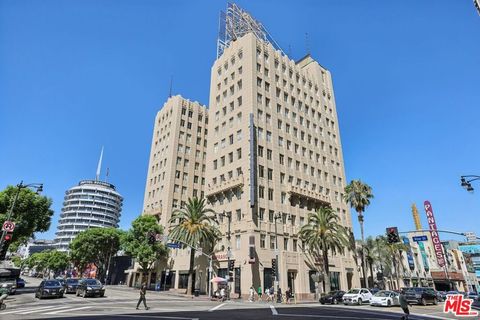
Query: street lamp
x,y
228,215
276,216
465,181
38,188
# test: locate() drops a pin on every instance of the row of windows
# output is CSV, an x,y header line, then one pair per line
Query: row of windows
x,y
222,177
190,115
230,124
231,140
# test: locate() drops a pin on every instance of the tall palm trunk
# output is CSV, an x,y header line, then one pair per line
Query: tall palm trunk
x,y
190,271
326,277
364,267
371,272
396,272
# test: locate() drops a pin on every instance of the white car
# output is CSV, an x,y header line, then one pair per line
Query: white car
x,y
357,296
385,298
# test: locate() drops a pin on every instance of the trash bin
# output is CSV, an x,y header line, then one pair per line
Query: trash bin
x,y
196,292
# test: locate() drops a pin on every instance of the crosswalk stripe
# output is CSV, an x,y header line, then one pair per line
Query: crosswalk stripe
x,y
27,309
66,310
36,309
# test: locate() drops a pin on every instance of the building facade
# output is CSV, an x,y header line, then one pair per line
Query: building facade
x,y
273,155
176,172
90,204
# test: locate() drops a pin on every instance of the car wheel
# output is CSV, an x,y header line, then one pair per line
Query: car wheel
x,y
359,302
344,304
423,302
435,302
321,302
102,295
389,303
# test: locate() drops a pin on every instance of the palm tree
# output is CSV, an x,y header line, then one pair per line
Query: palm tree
x,y
358,195
194,226
370,255
392,255
322,233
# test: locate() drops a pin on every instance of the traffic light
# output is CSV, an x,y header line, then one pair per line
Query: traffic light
x,y
392,235
231,266
4,245
274,266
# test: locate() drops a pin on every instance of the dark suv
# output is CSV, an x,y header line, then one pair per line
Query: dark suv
x,y
90,287
421,295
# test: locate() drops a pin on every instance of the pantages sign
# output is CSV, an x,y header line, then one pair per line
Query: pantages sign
x,y
437,245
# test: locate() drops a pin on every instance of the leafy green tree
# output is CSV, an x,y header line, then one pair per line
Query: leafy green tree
x,y
135,242
370,256
57,261
32,213
358,195
97,246
392,256
194,226
323,233
17,261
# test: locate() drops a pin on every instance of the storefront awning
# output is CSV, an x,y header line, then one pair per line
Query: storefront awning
x,y
440,275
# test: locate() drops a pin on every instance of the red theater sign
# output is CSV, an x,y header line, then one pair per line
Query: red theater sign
x,y
437,245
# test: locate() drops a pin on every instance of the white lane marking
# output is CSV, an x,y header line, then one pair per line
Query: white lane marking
x,y
329,316
36,309
217,307
28,309
274,311
66,310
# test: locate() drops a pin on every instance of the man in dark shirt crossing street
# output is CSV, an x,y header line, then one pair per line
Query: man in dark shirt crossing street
x,y
143,291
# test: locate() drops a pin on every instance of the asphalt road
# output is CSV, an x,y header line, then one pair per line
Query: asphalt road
x,y
121,301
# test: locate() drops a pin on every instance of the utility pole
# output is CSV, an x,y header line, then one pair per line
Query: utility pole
x,y
277,216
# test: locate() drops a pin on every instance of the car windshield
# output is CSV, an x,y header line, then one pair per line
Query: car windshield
x,y
92,282
382,294
72,281
354,291
52,283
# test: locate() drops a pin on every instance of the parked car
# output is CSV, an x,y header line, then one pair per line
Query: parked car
x,y
90,287
421,296
72,285
357,296
374,290
62,281
473,295
385,298
49,288
333,297
20,283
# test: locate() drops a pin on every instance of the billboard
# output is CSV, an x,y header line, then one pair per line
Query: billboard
x,y
411,262
437,245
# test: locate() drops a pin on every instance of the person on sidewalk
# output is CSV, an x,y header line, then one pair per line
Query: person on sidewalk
x,y
3,292
279,295
143,291
404,305
259,292
251,294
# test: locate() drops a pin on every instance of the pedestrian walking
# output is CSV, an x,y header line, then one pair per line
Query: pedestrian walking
x,y
404,304
3,295
272,294
288,295
143,291
279,295
259,292
252,293
222,294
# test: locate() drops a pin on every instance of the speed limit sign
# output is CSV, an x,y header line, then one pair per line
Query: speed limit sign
x,y
8,226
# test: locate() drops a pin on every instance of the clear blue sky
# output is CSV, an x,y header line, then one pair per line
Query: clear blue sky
x,y
76,75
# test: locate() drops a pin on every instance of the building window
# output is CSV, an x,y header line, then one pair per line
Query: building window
x,y
239,153
260,151
270,174
270,215
237,241
260,171
295,245
272,242
269,154
239,214
262,241
261,214
261,192
285,244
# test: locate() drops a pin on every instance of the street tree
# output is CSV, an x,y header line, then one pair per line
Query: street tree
x,y
136,242
194,226
322,234
95,246
32,213
358,195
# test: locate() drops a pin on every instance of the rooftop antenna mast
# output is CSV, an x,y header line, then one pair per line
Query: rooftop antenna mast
x,y
99,166
171,85
236,23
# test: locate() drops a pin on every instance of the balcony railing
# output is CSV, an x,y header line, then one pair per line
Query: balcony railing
x,y
309,194
224,186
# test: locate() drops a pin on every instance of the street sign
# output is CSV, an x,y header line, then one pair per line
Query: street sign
x,y
8,226
174,245
420,238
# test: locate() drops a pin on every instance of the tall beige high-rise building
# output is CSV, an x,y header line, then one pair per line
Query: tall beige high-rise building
x,y
273,155
176,168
